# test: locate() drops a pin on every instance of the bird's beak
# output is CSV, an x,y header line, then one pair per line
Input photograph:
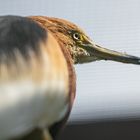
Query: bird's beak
x,y
101,53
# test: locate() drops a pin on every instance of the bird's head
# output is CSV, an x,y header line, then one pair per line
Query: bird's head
x,y
81,48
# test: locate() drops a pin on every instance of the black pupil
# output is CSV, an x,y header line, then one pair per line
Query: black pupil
x,y
76,36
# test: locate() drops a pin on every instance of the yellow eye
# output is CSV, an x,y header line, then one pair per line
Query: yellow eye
x,y
77,36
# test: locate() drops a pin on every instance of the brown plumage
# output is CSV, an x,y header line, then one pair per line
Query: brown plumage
x,y
59,28
37,76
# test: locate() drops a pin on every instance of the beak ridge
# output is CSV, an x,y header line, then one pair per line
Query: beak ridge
x,y
106,54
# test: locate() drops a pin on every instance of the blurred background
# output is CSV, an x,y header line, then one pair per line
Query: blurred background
x,y
107,104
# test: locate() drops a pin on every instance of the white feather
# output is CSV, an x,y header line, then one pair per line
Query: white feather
x,y
37,95
25,105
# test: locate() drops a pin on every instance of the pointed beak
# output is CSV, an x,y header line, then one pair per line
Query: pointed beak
x,y
105,54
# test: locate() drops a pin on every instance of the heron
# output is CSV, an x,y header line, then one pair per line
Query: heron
x,y
37,75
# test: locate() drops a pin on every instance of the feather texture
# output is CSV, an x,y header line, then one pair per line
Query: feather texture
x,y
34,83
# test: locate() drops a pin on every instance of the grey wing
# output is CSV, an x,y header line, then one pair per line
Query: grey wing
x,y
19,41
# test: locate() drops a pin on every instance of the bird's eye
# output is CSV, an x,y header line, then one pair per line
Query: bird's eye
x,y
76,36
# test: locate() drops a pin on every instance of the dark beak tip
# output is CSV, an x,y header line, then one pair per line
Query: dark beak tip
x,y
106,54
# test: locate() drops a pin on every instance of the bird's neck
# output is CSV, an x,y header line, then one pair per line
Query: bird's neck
x,y
63,40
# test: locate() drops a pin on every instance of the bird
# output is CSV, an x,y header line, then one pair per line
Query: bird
x,y
37,75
